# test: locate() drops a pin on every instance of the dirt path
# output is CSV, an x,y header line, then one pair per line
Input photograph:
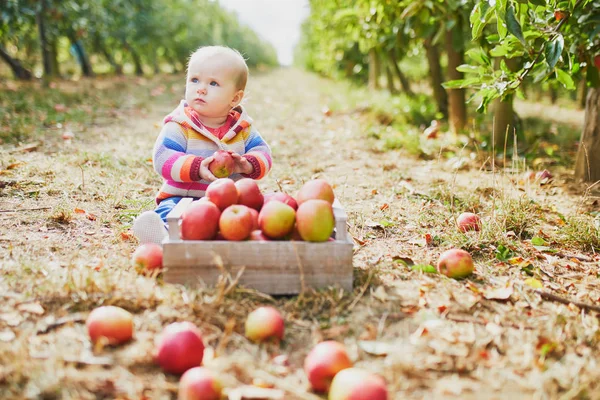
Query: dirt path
x,y
489,337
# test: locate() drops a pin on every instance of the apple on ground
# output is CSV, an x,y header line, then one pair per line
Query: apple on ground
x,y
315,189
179,347
276,219
257,235
222,164
282,197
468,221
543,175
529,176
200,221
315,220
222,192
249,193
147,257
199,383
236,222
323,362
455,263
264,323
114,324
357,384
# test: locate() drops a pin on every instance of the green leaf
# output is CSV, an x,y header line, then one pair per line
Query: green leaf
x,y
513,24
503,253
541,3
473,69
538,241
565,79
592,77
553,50
430,269
478,55
501,25
461,83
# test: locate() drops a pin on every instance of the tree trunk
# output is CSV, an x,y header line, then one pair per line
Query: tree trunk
x,y
435,74
137,62
54,56
582,93
587,164
82,58
390,78
505,118
99,46
553,94
18,70
374,70
456,97
45,45
403,81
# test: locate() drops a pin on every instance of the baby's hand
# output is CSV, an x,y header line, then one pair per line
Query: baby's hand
x,y
205,172
242,165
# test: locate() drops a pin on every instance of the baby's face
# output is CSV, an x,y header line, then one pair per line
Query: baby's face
x,y
211,88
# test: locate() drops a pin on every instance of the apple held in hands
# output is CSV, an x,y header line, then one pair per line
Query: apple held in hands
x,y
147,257
236,222
222,193
323,362
357,384
455,263
180,347
468,222
199,383
276,219
222,164
264,323
316,189
249,193
315,220
112,323
200,221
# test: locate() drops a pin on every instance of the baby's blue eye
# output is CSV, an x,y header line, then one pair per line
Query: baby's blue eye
x,y
213,83
194,80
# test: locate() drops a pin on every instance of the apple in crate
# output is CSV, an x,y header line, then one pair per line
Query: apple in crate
x,y
254,213
323,362
222,164
147,257
282,197
257,235
276,219
249,193
199,383
455,263
236,222
315,189
264,323
468,221
315,220
222,193
200,221
179,347
357,384
112,323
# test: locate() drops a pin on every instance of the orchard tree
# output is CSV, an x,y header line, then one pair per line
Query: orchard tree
x,y
539,41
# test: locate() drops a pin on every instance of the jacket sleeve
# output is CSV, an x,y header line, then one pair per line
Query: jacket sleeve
x,y
170,159
258,153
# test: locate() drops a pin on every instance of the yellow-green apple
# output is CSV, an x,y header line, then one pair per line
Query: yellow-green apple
x,y
222,164
236,222
323,362
455,263
357,384
315,189
179,347
147,257
200,221
264,323
315,220
112,323
257,235
468,221
199,383
276,219
282,197
249,193
222,192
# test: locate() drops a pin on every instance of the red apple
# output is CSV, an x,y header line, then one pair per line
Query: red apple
x,y
257,235
315,220
455,263
200,221
254,218
597,61
282,197
199,383
468,222
264,323
357,384
222,192
180,347
276,219
528,176
323,362
559,14
222,164
236,222
543,175
112,323
315,189
249,193
147,257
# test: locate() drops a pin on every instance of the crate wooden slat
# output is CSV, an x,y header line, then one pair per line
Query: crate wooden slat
x,y
273,267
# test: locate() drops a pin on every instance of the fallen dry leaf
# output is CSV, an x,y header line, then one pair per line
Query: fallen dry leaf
x,y
33,308
7,335
499,293
253,392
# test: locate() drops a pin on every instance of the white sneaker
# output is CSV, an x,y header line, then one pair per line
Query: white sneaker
x,y
148,227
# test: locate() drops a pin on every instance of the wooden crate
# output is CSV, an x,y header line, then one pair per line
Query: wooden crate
x,y
273,267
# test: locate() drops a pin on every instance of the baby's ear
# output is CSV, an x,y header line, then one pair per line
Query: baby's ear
x,y
237,98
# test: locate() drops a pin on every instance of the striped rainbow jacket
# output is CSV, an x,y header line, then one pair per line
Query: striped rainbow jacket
x,y
184,142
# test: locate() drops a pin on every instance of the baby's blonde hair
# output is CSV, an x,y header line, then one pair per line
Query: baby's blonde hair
x,y
238,61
